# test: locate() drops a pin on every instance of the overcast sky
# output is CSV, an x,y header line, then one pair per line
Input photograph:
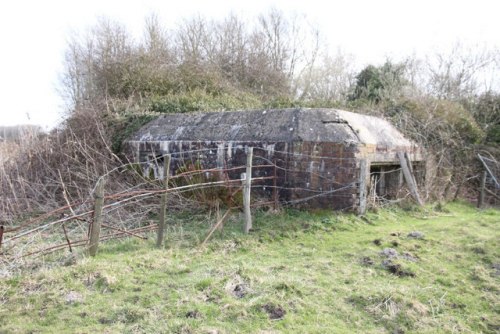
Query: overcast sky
x,y
33,35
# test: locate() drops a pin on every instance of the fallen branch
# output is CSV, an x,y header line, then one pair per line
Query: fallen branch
x,y
216,226
123,231
492,193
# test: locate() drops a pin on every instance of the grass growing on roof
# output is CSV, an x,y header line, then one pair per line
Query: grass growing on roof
x,y
298,272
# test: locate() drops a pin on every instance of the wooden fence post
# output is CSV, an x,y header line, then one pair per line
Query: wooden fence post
x,y
480,200
247,187
410,180
95,229
275,186
362,186
1,237
163,202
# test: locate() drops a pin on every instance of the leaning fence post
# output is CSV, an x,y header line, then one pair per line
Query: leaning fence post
x,y
480,200
410,180
163,201
362,187
275,186
95,229
247,187
1,236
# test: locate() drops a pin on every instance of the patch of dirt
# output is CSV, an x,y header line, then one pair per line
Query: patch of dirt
x,y
105,321
240,290
367,261
237,287
394,243
377,242
274,312
478,250
397,269
193,314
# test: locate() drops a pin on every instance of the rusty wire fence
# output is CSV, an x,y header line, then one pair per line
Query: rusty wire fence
x,y
275,181
489,189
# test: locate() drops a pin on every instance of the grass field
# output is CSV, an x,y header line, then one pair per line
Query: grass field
x,y
297,272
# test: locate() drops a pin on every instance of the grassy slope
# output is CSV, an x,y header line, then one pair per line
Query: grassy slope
x,y
313,273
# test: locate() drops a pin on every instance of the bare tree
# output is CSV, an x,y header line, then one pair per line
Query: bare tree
x,y
97,63
194,40
231,48
456,74
329,79
156,40
273,30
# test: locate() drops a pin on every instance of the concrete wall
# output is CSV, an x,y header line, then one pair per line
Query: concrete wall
x,y
309,174
323,169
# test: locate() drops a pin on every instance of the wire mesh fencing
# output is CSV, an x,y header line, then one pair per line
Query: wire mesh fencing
x,y
196,179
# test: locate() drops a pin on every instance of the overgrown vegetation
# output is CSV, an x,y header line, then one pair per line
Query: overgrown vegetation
x,y
394,271
113,83
124,127
434,270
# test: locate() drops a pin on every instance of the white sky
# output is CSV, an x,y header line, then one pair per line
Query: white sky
x,y
33,35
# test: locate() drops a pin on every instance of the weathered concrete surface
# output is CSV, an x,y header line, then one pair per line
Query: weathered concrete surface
x,y
317,150
320,125
280,125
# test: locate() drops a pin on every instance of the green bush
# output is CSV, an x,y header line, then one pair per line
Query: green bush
x,y
200,100
124,126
